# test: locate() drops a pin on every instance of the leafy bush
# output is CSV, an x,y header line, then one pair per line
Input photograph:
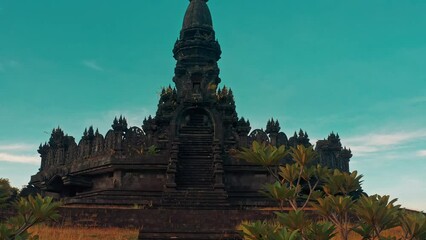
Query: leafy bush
x,y
8,193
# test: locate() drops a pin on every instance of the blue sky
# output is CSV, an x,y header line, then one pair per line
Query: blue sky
x,y
352,67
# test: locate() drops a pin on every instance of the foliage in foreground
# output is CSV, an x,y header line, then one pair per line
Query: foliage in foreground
x,y
30,211
8,193
335,196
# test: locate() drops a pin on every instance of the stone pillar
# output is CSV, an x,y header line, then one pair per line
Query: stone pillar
x,y
218,166
273,138
171,169
60,156
116,179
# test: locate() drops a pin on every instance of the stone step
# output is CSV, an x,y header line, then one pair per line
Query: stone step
x,y
200,163
199,134
195,135
196,198
193,146
195,170
201,186
196,162
192,150
190,175
208,199
199,235
189,127
190,185
194,182
206,166
194,179
198,151
195,173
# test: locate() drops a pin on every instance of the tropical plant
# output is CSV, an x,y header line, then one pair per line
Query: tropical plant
x,y
152,150
336,209
343,183
30,211
341,189
259,230
376,214
294,225
265,155
298,182
413,226
296,185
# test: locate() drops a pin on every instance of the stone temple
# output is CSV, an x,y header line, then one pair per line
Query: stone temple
x,y
181,157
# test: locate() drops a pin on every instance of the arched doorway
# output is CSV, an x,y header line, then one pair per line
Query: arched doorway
x,y
57,189
195,160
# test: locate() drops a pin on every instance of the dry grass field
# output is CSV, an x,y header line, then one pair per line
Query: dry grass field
x,y
67,233
396,232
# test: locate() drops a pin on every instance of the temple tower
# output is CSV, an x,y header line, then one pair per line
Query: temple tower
x,y
196,125
197,53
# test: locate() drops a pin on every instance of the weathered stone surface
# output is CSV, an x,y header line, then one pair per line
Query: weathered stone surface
x,y
165,223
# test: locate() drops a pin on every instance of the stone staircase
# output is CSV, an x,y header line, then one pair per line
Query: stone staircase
x,y
196,199
195,170
195,159
195,164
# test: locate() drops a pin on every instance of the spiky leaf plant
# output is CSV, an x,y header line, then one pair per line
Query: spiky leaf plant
x,y
413,226
30,211
376,214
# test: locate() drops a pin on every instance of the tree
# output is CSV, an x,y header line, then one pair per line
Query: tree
x,y
7,193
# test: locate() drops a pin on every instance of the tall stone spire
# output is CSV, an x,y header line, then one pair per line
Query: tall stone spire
x,y
197,15
197,53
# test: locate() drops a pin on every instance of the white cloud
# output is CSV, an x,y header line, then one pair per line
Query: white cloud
x,y
18,158
404,188
421,153
19,153
17,147
380,142
92,64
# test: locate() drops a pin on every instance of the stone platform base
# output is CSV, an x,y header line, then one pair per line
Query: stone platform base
x,y
189,236
164,223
